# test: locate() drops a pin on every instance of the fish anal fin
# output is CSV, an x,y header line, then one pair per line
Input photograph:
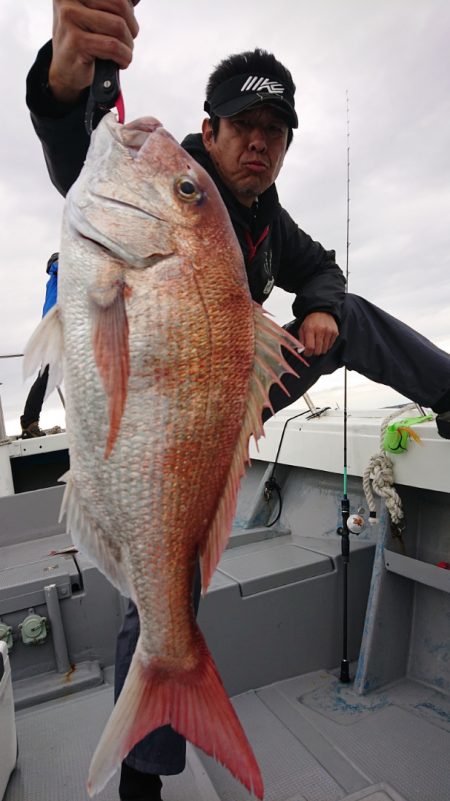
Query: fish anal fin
x,y
45,347
219,533
269,366
193,702
112,356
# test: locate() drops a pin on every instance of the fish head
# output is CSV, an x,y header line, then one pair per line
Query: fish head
x,y
142,197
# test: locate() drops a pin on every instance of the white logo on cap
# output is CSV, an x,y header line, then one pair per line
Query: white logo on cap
x,y
255,84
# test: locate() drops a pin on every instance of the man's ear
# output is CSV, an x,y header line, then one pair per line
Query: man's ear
x,y
207,134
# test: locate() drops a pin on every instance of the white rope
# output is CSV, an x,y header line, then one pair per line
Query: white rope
x,y
379,474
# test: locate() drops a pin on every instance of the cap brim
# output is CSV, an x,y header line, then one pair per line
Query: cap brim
x,y
238,104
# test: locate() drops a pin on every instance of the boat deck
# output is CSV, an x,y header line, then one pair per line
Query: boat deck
x,y
315,740
273,621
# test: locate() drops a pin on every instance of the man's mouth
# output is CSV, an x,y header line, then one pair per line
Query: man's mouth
x,y
256,166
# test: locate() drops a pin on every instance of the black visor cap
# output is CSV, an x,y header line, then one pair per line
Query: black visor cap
x,y
246,91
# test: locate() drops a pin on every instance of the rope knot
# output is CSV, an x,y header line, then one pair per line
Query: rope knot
x,y
379,475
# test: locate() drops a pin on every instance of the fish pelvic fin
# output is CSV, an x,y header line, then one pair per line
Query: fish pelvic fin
x,y
91,540
45,347
269,366
112,356
193,702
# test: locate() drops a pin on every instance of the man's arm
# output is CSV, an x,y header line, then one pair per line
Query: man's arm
x,y
311,272
58,83
82,33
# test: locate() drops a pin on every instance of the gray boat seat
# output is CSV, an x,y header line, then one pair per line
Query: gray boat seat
x,y
30,539
266,565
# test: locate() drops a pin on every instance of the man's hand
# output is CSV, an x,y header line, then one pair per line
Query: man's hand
x,y
84,30
318,332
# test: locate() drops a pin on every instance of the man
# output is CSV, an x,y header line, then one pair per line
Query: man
x,y
29,420
251,117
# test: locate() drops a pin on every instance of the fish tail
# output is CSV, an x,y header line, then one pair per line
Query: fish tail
x,y
193,702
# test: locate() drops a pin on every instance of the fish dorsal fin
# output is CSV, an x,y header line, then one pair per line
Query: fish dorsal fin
x,y
269,365
111,351
45,346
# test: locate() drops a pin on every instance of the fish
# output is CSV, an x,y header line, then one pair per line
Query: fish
x,y
167,365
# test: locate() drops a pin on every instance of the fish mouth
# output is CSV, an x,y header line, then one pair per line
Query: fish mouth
x,y
135,134
89,232
115,202
131,260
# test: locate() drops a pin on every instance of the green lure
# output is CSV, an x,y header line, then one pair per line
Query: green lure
x,y
397,435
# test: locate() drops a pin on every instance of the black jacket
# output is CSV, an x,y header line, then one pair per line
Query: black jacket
x,y
287,257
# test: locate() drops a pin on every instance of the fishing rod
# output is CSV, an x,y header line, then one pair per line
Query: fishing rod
x,y
344,530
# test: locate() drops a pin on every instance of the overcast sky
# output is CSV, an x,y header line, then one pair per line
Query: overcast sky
x,y
393,58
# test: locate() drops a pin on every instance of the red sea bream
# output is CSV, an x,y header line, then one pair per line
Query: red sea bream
x,y
167,363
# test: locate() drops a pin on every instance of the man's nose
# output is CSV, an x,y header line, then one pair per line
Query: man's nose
x,y
257,140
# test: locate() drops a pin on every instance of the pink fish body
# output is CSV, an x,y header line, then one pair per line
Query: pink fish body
x,y
167,364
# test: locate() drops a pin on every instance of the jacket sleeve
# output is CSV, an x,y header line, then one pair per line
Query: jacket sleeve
x,y
60,127
310,272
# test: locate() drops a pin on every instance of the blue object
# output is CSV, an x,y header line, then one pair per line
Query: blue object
x,y
51,288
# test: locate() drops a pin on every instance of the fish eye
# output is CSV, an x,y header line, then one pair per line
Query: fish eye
x,y
188,190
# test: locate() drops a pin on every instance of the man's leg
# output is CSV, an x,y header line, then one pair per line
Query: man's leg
x,y
33,407
382,348
163,751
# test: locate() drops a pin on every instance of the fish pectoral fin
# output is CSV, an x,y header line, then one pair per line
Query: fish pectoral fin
x,y
91,539
112,356
269,366
46,347
193,702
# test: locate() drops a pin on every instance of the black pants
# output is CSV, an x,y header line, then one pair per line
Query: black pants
x,y
379,347
35,399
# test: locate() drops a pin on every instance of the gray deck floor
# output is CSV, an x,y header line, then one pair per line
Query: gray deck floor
x,y
315,740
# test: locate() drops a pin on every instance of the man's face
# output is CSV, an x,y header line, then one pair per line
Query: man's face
x,y
248,151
